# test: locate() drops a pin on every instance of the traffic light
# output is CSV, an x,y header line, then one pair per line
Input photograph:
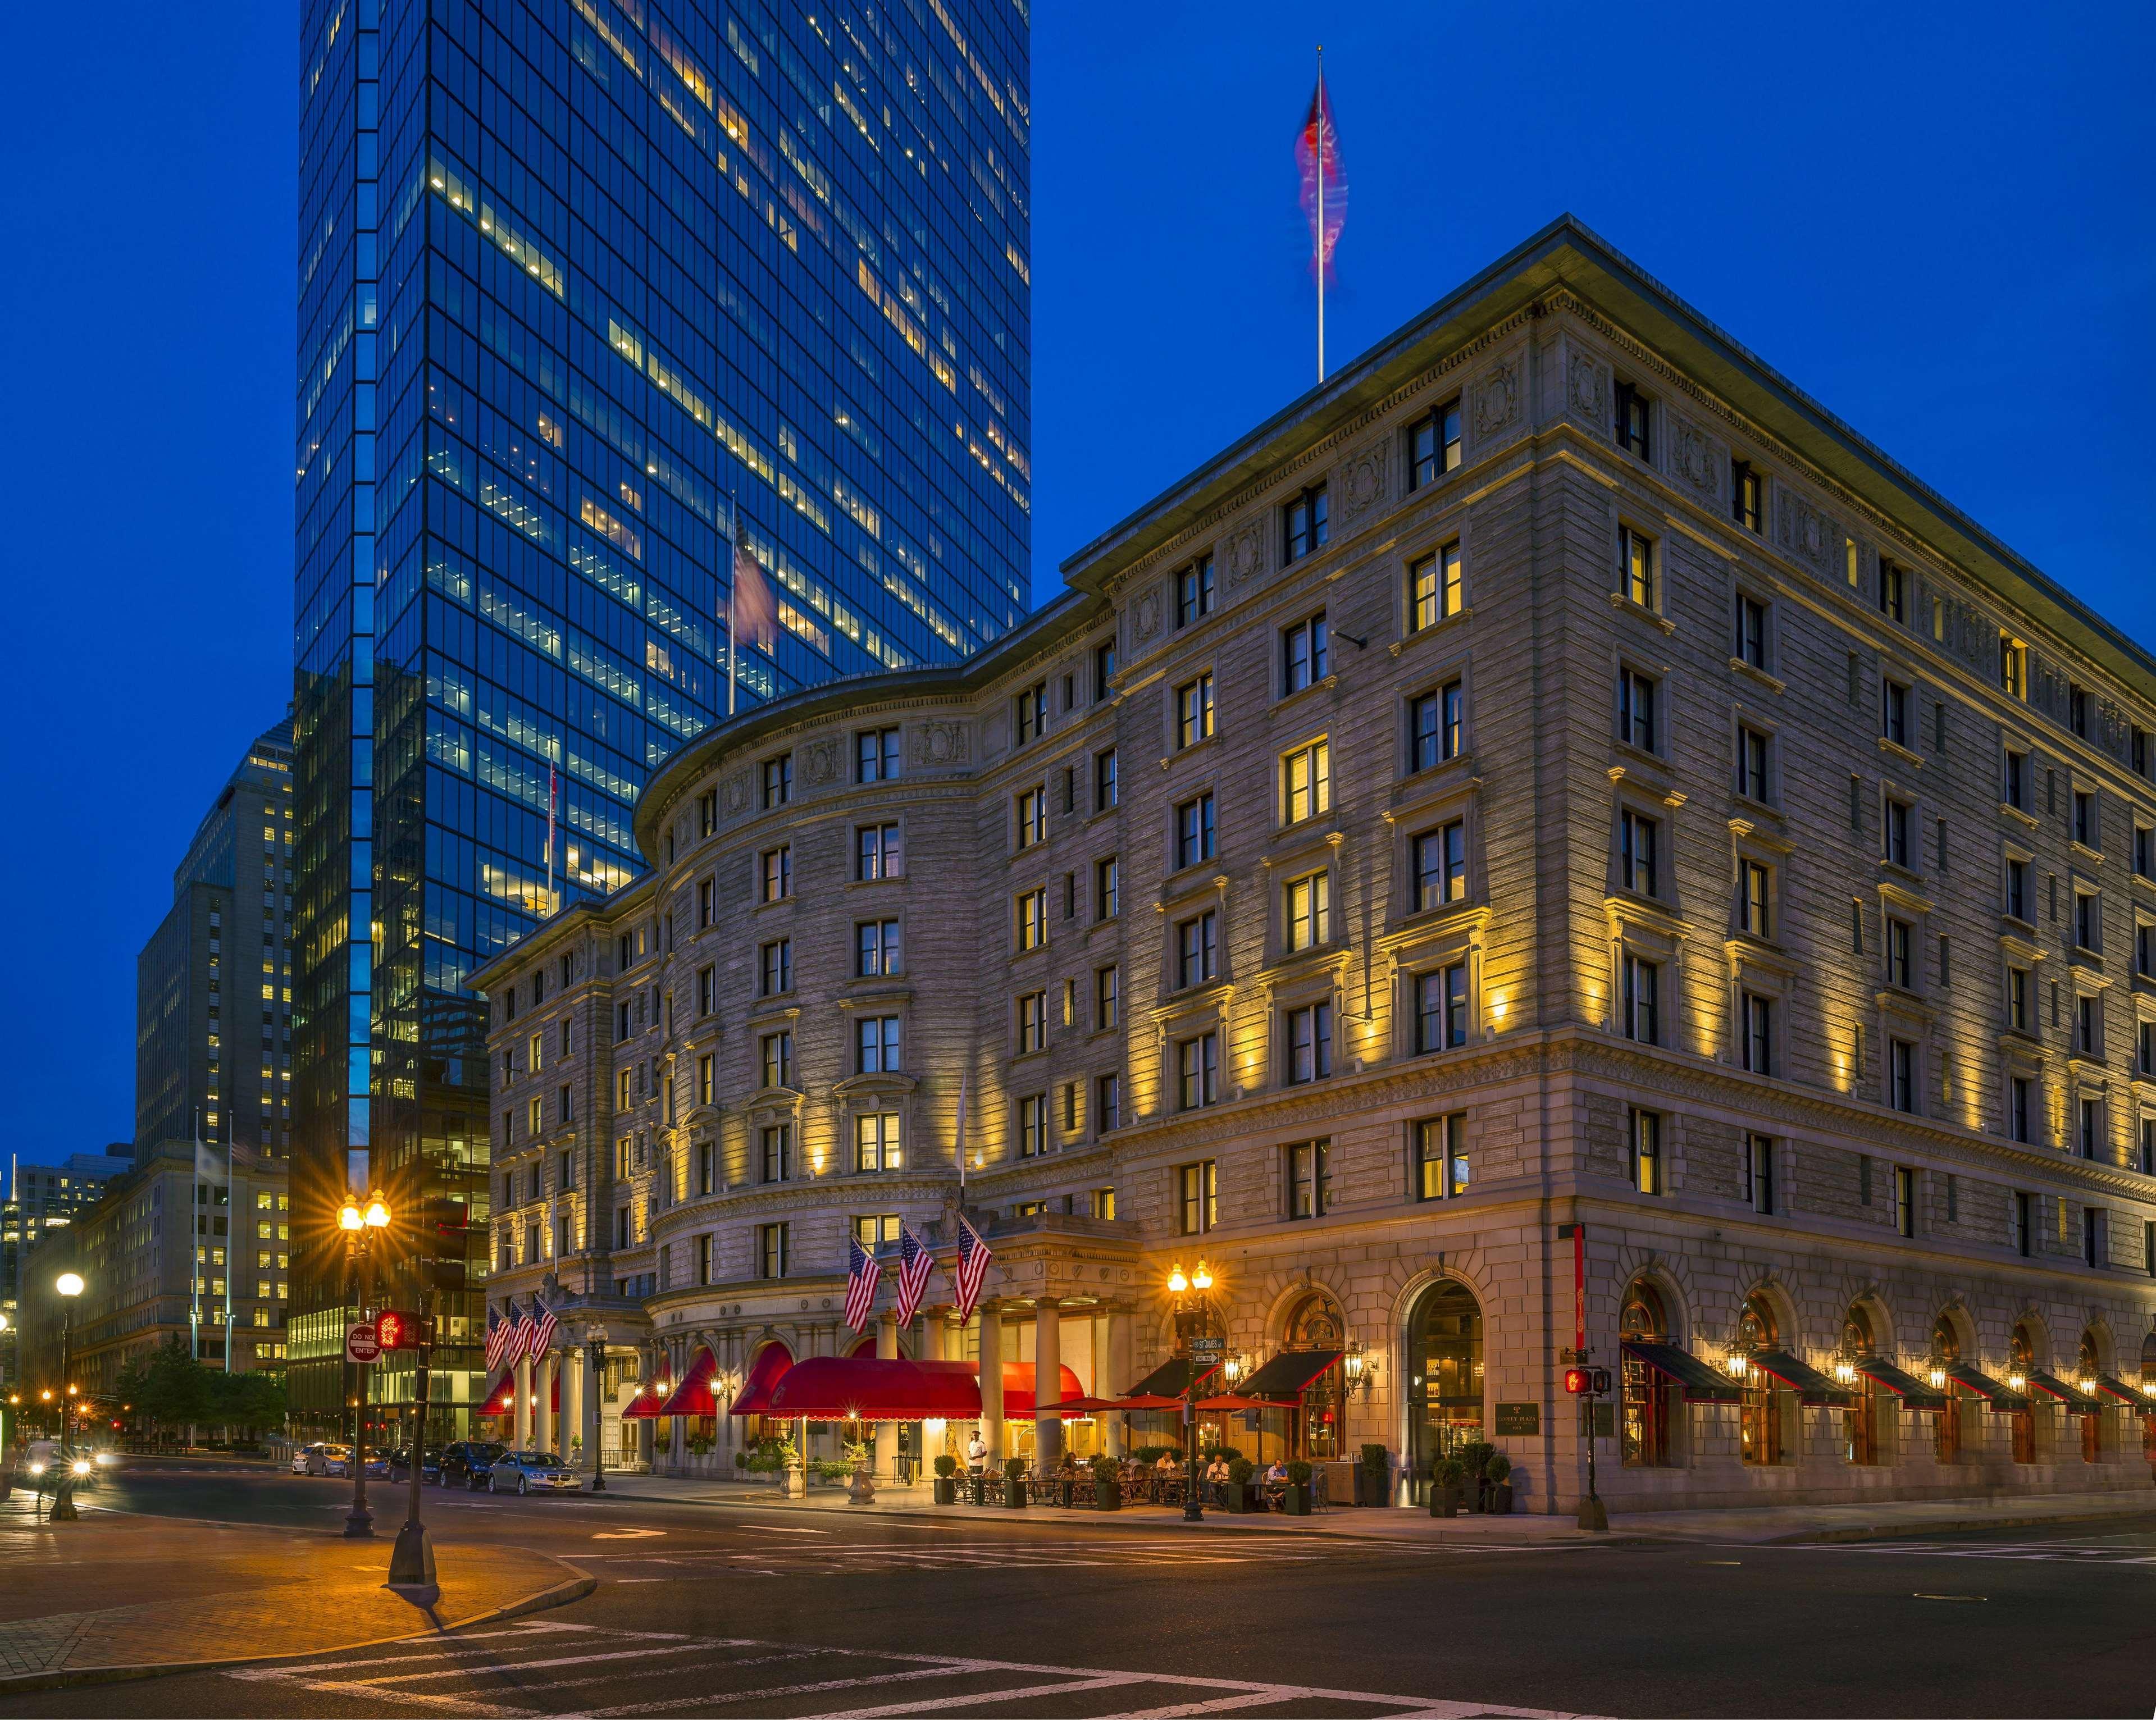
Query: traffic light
x,y
398,1329
1582,1381
442,1243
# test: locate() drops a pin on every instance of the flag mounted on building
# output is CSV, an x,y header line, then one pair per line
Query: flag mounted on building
x,y
497,1336
752,612
915,1264
1324,192
973,1258
863,1273
542,1329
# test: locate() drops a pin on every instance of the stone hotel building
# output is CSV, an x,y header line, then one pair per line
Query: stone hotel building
x,y
1552,775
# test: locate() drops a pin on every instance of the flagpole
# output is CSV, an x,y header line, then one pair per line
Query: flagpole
x,y
231,1231
195,1249
1321,211
962,1142
734,594
553,793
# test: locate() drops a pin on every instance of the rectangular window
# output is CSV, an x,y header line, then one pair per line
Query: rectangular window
x,y
1434,587
1303,524
877,951
1636,712
1106,888
778,780
776,966
1630,427
2017,1108
1638,844
1107,998
2013,667
1441,1008
1434,445
705,904
876,1141
2014,783
876,1045
1198,1071
1031,712
1193,712
771,1250
777,1059
1306,782
1441,1157
1904,1201
1642,1011
1635,566
2085,819
777,1145
1647,1151
877,853
1198,1196
1758,1014
2077,710
707,813
778,873
1306,916
1752,754
1894,712
1309,1043
704,1166
1031,910
1108,1103
2091,1129
1032,817
1193,592
1900,967
1032,1022
2087,925
1434,727
2021,1231
2017,998
1309,1179
1440,859
1104,780
875,755
1306,654
704,1080
1897,832
1751,631
2086,1034
1759,1172
1104,670
1032,1125
1755,895
1196,950
2095,1252
2017,889
2144,851
704,1258
1746,490
1902,1064
1193,831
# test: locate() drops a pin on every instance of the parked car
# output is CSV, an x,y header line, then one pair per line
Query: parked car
x,y
326,1459
303,1459
400,1465
466,1460
378,1466
531,1472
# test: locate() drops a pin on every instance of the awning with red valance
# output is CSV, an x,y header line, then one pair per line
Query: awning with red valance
x,y
693,1396
500,1397
895,1388
1172,1378
1290,1374
650,1396
771,1364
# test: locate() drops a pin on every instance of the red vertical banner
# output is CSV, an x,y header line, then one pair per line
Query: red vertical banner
x,y
1580,1290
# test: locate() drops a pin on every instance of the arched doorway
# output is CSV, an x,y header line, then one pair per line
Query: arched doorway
x,y
2089,1364
1649,1397
1946,1430
2149,1389
1444,1374
1760,1428
2020,1363
1315,1323
1860,1421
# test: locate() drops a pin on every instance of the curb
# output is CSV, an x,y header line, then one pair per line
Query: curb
x,y
1957,1526
561,1594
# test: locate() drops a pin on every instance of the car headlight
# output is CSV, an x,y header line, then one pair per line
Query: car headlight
x,y
82,1465
36,1469
105,1457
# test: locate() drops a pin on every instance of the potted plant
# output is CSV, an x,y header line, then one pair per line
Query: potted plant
x,y
947,1482
1241,1469
1374,1476
1107,1483
1474,1455
1498,1471
1297,1502
1445,1477
1014,1483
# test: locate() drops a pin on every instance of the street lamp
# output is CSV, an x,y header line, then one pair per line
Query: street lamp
x,y
1178,1286
595,1343
69,1285
359,1223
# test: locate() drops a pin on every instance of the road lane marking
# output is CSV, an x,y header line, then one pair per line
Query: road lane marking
x,y
627,1534
957,1669
623,1654
1026,1693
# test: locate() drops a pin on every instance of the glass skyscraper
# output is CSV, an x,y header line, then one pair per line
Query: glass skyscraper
x,y
581,282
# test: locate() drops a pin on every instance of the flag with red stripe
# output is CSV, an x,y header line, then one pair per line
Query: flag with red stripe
x,y
1324,178
497,1334
973,1257
915,1264
542,1329
863,1272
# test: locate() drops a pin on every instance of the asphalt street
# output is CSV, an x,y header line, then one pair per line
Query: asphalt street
x,y
753,1611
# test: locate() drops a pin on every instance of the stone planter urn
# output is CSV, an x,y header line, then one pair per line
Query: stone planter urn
x,y
860,1489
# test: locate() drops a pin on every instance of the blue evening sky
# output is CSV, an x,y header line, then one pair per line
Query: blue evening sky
x,y
1933,219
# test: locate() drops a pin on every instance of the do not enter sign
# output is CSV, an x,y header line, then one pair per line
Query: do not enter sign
x,y
362,1341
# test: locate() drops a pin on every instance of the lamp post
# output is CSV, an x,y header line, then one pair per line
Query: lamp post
x,y
595,1343
1200,1280
69,1285
359,1223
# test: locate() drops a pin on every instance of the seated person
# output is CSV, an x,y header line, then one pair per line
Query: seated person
x,y
1067,1464
1165,1464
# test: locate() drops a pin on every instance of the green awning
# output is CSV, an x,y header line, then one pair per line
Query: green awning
x,y
2113,1386
1172,1378
1701,1384
1811,1386
1289,1374
1913,1391
2077,1401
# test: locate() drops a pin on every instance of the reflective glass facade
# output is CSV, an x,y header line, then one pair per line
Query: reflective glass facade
x,y
580,282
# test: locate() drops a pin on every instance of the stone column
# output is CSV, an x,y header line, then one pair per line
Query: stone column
x,y
520,1409
886,1432
594,1403
542,1413
992,1382
1116,1429
572,1403
1047,1381
677,1437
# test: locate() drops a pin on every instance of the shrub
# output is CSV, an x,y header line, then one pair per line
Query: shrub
x,y
1449,1472
947,1465
1241,1469
1377,1457
1153,1454
1299,1472
741,1460
1014,1469
1105,1471
831,1469
1498,1468
1475,1454
1225,1453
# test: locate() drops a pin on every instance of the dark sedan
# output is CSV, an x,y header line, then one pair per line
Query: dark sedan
x,y
466,1461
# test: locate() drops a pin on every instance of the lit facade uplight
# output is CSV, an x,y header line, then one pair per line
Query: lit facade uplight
x,y
1845,1372
2017,1382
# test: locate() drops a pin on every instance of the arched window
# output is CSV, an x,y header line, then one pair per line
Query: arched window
x,y
2090,1364
1648,1395
1860,1423
1946,1429
1315,1324
1445,1380
2021,1361
1761,1427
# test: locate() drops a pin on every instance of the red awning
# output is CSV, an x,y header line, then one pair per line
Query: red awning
x,y
649,1396
893,1388
771,1361
500,1399
1146,1400
693,1396
865,1347
1086,1406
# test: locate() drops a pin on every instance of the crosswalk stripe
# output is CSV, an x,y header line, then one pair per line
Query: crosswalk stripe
x,y
1107,1681
714,1699
622,1654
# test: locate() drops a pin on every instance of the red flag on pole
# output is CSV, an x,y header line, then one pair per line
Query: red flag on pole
x,y
1324,192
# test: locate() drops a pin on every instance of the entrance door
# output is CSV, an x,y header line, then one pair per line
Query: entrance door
x,y
1445,1389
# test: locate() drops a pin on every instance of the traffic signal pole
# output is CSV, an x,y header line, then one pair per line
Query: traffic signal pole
x,y
411,1560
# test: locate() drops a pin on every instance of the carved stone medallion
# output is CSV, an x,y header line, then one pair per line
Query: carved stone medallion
x,y
1692,454
1145,613
1246,555
819,761
1586,386
737,792
939,742
1362,484
1803,529
1497,399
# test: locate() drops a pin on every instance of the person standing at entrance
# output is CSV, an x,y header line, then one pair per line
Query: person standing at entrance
x,y
977,1453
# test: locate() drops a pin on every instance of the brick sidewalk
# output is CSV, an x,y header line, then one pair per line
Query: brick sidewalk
x,y
117,1595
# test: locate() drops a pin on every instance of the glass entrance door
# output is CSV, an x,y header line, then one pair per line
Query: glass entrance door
x,y
1444,1387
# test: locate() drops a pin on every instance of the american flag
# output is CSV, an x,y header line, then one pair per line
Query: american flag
x,y
752,617
1324,179
973,1271
542,1329
915,1264
862,1273
513,1336
497,1335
